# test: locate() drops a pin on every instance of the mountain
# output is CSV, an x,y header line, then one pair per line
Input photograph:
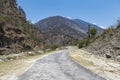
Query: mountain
x,y
84,25
16,33
108,44
62,31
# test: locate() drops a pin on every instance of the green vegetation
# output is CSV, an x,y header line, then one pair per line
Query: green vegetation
x,y
83,42
21,10
15,31
1,29
55,47
92,32
108,31
1,4
1,52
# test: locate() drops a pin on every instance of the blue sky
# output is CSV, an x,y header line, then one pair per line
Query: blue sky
x,y
101,12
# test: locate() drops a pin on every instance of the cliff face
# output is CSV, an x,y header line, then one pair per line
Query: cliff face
x,y
16,34
108,44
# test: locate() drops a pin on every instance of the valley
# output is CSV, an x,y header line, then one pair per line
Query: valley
x,y
41,43
26,67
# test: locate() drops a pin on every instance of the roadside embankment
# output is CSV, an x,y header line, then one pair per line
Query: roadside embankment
x,y
106,68
15,67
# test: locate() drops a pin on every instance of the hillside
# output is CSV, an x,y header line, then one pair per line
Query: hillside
x,y
108,44
84,25
16,34
62,31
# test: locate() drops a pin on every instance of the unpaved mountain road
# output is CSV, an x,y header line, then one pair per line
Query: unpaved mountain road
x,y
58,66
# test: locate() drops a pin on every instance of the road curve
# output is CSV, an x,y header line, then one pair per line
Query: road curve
x,y
58,66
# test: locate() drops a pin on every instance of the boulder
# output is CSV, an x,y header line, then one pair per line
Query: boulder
x,y
108,55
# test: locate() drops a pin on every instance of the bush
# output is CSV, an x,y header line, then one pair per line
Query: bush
x,y
109,31
2,51
55,47
1,5
83,42
118,26
93,32
9,58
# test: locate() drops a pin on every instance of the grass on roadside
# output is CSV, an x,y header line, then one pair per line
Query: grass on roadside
x,y
79,58
106,68
18,66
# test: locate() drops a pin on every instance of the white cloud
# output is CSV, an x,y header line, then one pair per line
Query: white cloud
x,y
33,22
69,17
103,27
94,23
100,26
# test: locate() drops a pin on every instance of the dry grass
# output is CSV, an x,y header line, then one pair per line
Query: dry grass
x,y
106,68
17,67
80,59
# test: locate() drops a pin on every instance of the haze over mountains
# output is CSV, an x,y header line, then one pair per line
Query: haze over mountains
x,y
62,31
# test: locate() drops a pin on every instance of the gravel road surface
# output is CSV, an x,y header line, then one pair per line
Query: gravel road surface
x,y
58,66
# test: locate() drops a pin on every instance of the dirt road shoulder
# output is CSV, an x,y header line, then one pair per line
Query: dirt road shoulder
x,y
11,69
106,68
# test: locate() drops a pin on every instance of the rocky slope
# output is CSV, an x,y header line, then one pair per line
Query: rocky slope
x,y
84,25
16,34
108,44
62,31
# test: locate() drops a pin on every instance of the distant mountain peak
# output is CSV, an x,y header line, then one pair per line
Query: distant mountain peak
x,y
60,30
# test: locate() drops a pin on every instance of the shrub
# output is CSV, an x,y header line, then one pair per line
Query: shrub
x,y
1,5
109,31
83,42
55,47
118,24
93,32
2,51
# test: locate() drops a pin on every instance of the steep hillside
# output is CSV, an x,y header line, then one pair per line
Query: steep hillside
x,y
108,44
60,31
50,23
84,25
16,34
